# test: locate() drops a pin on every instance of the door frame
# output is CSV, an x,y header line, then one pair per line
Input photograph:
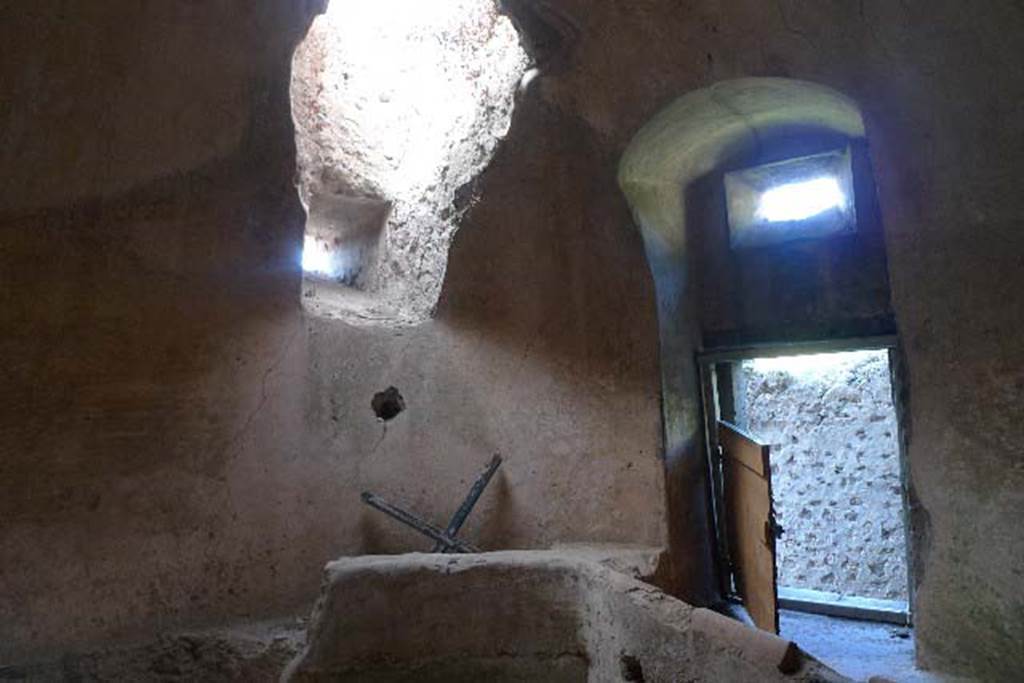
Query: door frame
x,y
710,363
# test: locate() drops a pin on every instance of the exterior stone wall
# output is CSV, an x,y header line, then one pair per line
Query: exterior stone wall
x,y
831,424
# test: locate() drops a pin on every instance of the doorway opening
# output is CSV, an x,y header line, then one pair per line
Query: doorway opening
x,y
810,497
831,424
809,482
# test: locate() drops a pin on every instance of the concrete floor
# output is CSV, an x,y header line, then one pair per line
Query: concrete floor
x,y
858,649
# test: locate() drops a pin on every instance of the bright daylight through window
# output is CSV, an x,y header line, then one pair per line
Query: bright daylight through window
x,y
800,200
803,198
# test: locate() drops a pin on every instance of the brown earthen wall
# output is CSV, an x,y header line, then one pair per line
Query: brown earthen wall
x,y
179,444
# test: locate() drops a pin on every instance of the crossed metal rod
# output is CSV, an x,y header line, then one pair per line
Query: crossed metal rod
x,y
445,540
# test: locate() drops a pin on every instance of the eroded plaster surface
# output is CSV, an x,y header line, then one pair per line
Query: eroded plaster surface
x,y
398,106
557,616
181,445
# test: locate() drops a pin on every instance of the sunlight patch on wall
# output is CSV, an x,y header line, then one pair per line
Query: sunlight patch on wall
x,y
398,104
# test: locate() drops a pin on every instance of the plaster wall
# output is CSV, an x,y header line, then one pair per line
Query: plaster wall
x,y
836,478
937,87
179,444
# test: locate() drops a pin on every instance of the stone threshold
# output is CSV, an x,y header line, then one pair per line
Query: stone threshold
x,y
846,606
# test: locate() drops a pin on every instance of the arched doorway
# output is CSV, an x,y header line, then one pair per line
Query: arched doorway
x,y
718,294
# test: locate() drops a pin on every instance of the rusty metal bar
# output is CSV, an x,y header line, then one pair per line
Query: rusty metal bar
x,y
460,516
418,524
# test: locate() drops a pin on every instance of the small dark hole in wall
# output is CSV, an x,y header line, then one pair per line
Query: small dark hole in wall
x,y
387,404
632,670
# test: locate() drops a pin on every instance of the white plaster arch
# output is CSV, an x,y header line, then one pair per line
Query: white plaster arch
x,y
694,135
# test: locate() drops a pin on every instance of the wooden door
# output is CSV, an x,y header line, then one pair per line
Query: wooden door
x,y
750,523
